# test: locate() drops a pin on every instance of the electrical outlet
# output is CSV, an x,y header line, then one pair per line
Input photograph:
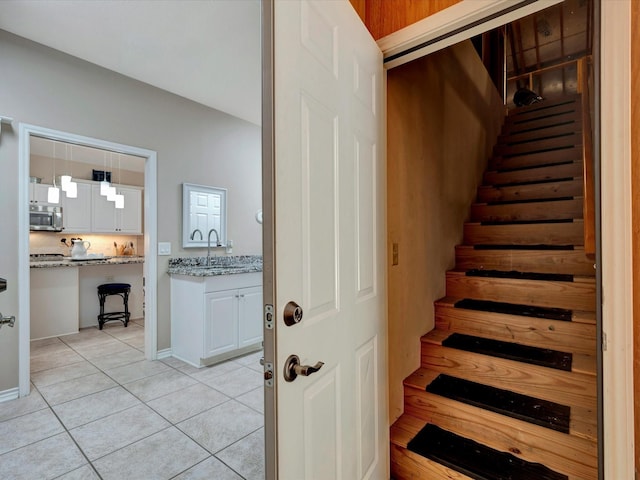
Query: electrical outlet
x,y
109,278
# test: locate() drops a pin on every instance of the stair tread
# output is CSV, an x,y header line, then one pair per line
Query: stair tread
x,y
533,174
515,405
515,274
474,459
546,357
563,314
552,202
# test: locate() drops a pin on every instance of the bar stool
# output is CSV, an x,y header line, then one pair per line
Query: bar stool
x,y
121,289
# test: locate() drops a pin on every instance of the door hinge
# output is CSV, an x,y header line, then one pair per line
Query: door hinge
x,y
268,317
604,341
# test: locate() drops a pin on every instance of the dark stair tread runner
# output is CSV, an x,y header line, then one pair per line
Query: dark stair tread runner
x,y
515,309
529,182
552,277
474,459
522,247
525,222
528,200
523,407
543,357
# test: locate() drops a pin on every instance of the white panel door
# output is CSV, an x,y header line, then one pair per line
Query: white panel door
x,y
329,237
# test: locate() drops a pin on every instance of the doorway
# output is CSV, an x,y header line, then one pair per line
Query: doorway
x,y
26,133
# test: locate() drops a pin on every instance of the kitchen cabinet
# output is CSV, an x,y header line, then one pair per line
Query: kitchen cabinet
x,y
54,302
215,318
38,193
106,218
76,216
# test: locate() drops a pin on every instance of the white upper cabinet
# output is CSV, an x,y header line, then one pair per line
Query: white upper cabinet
x,y
106,218
38,193
76,216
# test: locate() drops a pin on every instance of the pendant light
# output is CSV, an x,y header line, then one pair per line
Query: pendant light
x,y
104,185
71,188
53,193
119,199
111,191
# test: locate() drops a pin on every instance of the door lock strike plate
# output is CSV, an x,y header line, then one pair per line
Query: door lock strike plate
x,y
268,317
268,374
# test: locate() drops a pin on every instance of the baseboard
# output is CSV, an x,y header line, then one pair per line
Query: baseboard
x,y
10,394
166,353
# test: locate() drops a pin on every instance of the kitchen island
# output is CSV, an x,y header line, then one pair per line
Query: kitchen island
x,y
64,292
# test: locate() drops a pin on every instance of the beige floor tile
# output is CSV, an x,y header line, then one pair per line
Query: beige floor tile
x,y
246,456
86,336
46,459
85,472
61,374
110,347
251,359
159,385
209,469
119,331
223,425
158,457
21,406
78,387
54,360
27,429
47,347
236,382
253,399
206,374
43,342
186,403
108,434
126,355
136,371
92,407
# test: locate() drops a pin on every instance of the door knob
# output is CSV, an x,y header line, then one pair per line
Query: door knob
x,y
292,368
7,320
292,314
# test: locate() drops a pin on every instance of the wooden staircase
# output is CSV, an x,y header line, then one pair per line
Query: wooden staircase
x,y
507,383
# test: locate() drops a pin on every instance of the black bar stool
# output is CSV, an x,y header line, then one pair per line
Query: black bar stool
x,y
104,291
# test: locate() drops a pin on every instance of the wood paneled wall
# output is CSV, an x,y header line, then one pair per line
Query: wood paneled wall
x,y
635,214
383,17
443,116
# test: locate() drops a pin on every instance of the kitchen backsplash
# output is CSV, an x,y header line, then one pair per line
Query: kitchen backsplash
x,y
47,242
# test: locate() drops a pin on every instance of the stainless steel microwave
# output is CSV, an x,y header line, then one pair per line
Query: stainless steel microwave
x,y
45,217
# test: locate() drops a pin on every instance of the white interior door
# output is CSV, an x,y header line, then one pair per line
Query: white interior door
x,y
330,247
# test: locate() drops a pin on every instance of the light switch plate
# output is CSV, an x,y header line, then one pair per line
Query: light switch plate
x,y
164,248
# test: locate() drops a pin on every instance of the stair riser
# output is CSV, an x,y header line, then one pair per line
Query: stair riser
x,y
571,337
406,465
573,262
537,134
558,451
546,103
535,211
536,159
566,388
577,295
533,234
544,122
547,190
541,174
565,141
548,111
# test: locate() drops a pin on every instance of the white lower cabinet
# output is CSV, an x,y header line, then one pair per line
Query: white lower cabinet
x,y
215,318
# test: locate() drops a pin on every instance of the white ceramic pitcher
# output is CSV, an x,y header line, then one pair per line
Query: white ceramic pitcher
x,y
80,248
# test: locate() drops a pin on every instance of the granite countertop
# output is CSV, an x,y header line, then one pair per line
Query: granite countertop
x,y
197,266
69,262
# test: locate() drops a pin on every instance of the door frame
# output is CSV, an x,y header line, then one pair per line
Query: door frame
x,y
614,245
150,268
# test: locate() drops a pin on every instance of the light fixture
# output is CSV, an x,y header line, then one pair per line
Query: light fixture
x,y
119,199
111,194
104,185
53,193
71,187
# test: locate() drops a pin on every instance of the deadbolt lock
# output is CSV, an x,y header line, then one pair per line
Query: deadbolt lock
x,y
292,314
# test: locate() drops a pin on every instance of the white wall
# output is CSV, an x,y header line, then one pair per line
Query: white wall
x,y
195,144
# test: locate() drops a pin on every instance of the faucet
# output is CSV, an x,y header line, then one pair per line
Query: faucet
x,y
209,245
193,234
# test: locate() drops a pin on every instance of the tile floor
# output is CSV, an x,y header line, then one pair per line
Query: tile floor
x,y
99,410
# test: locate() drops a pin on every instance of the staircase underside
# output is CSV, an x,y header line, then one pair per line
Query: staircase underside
x,y
507,383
